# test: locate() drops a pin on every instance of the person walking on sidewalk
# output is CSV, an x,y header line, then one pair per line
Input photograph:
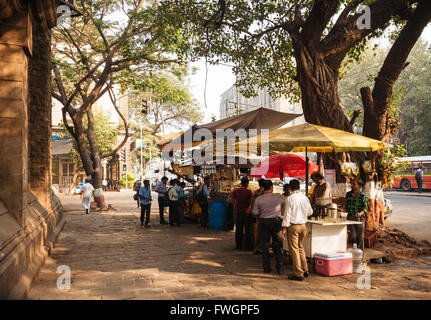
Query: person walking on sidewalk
x,y
145,198
174,217
297,209
419,177
87,193
162,190
242,199
268,208
202,198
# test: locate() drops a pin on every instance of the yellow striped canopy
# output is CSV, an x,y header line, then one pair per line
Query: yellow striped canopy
x,y
317,139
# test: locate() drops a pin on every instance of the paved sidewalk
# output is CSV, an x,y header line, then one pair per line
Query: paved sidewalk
x,y
112,257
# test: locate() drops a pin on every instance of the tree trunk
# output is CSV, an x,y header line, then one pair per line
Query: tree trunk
x,y
97,176
90,158
320,100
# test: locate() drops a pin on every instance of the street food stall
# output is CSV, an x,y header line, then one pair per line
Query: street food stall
x,y
222,175
329,235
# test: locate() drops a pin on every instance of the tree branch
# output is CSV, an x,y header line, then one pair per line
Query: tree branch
x,y
318,19
126,126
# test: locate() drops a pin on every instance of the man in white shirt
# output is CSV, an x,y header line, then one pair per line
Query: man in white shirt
x,y
86,194
297,210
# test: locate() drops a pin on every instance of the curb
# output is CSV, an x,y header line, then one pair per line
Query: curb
x,y
407,194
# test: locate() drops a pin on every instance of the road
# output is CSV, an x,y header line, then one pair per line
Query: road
x,y
411,214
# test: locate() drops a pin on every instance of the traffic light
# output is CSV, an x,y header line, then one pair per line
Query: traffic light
x,y
123,155
124,167
145,107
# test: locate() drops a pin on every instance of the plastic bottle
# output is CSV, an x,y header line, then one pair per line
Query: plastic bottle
x,y
357,255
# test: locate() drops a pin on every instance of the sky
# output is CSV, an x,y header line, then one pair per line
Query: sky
x,y
221,78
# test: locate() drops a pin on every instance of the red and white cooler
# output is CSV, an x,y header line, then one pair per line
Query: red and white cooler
x,y
334,264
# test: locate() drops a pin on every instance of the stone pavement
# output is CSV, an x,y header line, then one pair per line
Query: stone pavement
x,y
112,257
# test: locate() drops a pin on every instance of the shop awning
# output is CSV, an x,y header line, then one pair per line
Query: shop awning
x,y
318,139
258,119
62,146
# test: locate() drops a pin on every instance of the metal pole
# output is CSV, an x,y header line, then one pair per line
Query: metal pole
x,y
127,185
306,172
142,165
149,167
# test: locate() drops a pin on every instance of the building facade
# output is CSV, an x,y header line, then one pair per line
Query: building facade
x,y
233,103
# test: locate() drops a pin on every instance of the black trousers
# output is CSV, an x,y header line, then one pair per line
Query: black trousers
x,y
174,216
161,208
204,214
419,182
243,240
357,230
271,228
145,213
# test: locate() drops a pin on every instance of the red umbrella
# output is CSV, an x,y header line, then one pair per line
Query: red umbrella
x,y
279,165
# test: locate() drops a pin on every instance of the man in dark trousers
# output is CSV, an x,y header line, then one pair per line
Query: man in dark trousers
x,y
268,208
242,198
145,197
174,217
162,190
356,204
419,177
202,197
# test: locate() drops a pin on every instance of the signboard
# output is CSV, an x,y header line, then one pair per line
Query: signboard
x,y
208,169
140,144
330,177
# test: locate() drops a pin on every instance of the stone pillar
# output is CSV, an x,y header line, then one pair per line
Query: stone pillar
x,y
15,46
39,112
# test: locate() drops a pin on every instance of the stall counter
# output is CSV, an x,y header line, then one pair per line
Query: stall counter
x,y
325,237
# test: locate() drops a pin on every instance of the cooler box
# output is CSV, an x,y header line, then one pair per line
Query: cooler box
x,y
334,264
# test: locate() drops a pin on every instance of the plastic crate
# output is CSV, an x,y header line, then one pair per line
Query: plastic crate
x,y
370,238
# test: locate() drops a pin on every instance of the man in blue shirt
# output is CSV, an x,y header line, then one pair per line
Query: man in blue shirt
x,y
145,196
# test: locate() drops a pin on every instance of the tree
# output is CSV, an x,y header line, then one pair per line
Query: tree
x,y
299,48
111,42
412,90
170,103
106,134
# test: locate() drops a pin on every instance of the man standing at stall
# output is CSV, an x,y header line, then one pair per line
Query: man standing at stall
x,y
257,238
321,195
202,198
174,217
297,209
268,208
162,190
356,204
242,199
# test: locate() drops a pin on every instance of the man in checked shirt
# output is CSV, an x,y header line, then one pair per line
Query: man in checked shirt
x,y
356,207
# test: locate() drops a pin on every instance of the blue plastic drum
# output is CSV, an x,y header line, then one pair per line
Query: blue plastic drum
x,y
217,215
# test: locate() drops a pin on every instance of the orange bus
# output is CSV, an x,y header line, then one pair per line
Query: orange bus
x,y
405,178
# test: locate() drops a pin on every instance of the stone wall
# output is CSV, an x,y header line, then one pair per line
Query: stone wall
x,y
30,214
39,127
